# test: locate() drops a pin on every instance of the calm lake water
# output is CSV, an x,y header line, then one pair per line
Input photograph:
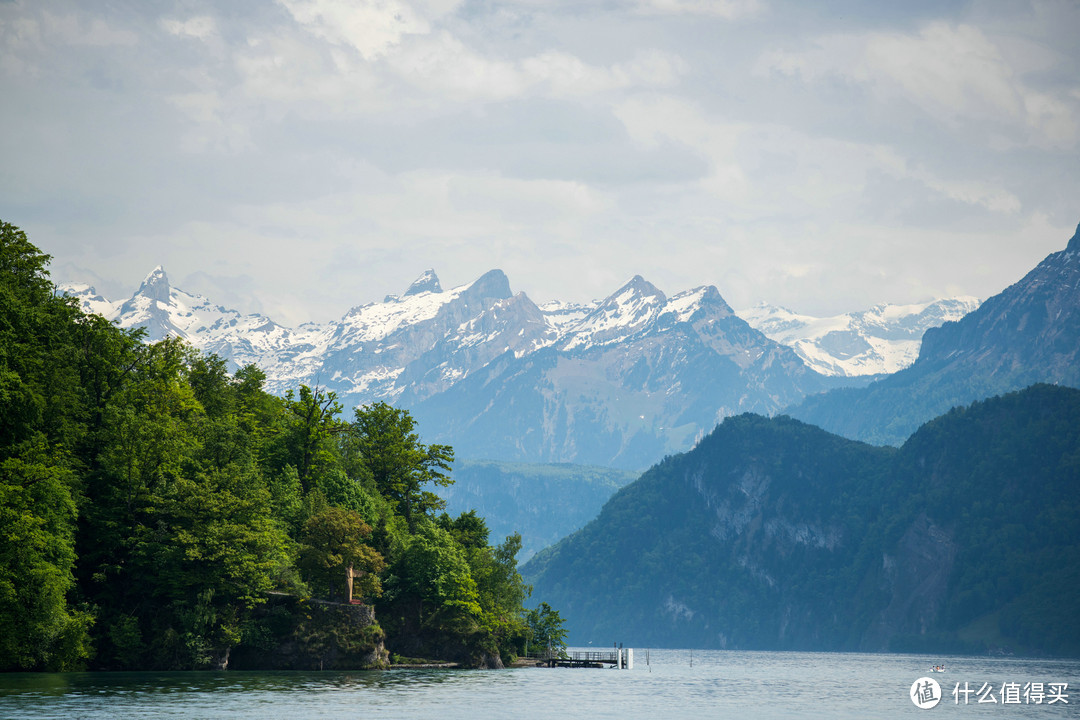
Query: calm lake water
x,y
719,684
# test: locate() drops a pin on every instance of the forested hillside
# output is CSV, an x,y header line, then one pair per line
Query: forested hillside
x,y
159,512
774,534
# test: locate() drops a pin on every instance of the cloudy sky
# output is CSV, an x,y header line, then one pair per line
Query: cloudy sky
x,y
299,157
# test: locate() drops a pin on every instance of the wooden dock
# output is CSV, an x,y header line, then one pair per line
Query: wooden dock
x,y
618,658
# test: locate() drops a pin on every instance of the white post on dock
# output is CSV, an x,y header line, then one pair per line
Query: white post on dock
x,y
629,658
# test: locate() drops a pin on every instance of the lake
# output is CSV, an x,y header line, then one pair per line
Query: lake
x,y
662,684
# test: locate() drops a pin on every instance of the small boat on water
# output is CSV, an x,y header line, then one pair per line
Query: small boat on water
x,y
938,668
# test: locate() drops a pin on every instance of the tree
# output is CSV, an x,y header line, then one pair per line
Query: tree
x,y
41,420
383,437
208,552
546,628
37,514
333,545
433,574
312,425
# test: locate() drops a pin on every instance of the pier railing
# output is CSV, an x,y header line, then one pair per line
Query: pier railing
x,y
621,658
593,656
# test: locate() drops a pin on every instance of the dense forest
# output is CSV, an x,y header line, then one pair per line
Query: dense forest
x,y
774,534
160,512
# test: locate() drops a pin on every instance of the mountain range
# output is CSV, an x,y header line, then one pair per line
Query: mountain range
x,y
878,341
618,382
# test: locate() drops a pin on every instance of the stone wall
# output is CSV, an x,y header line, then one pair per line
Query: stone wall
x,y
290,633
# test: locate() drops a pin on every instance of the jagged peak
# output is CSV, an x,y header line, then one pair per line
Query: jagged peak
x,y
1074,242
687,304
155,285
427,282
637,286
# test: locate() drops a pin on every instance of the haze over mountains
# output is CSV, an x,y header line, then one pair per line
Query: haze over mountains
x,y
618,382
878,341
1029,333
775,534
772,534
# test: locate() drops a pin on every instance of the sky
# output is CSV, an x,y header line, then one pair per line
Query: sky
x,y
300,157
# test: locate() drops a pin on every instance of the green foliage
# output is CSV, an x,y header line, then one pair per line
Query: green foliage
x,y
37,514
311,424
333,542
547,632
433,572
151,504
383,437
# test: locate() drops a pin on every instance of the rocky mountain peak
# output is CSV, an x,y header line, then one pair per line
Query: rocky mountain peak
x,y
155,286
427,282
492,284
640,287
1074,242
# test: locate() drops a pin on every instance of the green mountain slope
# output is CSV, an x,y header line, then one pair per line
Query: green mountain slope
x,y
773,534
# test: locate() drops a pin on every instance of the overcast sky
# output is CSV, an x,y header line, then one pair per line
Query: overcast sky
x,y
299,157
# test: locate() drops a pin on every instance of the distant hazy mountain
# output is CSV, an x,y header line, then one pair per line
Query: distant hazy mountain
x,y
1028,333
774,534
878,341
544,503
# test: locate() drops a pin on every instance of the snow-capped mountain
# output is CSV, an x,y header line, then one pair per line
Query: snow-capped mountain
x,y
881,340
288,356
621,381
639,377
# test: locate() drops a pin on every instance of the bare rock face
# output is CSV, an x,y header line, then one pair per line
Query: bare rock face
x,y
491,662
915,576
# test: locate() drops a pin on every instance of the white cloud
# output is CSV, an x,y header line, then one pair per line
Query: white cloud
x,y
444,65
815,175
200,27
956,74
372,27
726,9
70,29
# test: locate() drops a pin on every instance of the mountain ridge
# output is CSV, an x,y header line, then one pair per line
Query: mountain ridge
x,y
1028,333
621,374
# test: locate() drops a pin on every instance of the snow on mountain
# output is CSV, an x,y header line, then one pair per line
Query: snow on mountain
x,y
426,339
562,315
883,339
630,309
89,299
287,356
1028,333
639,377
427,282
621,380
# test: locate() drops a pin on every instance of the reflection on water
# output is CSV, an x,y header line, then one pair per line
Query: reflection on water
x,y
662,684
